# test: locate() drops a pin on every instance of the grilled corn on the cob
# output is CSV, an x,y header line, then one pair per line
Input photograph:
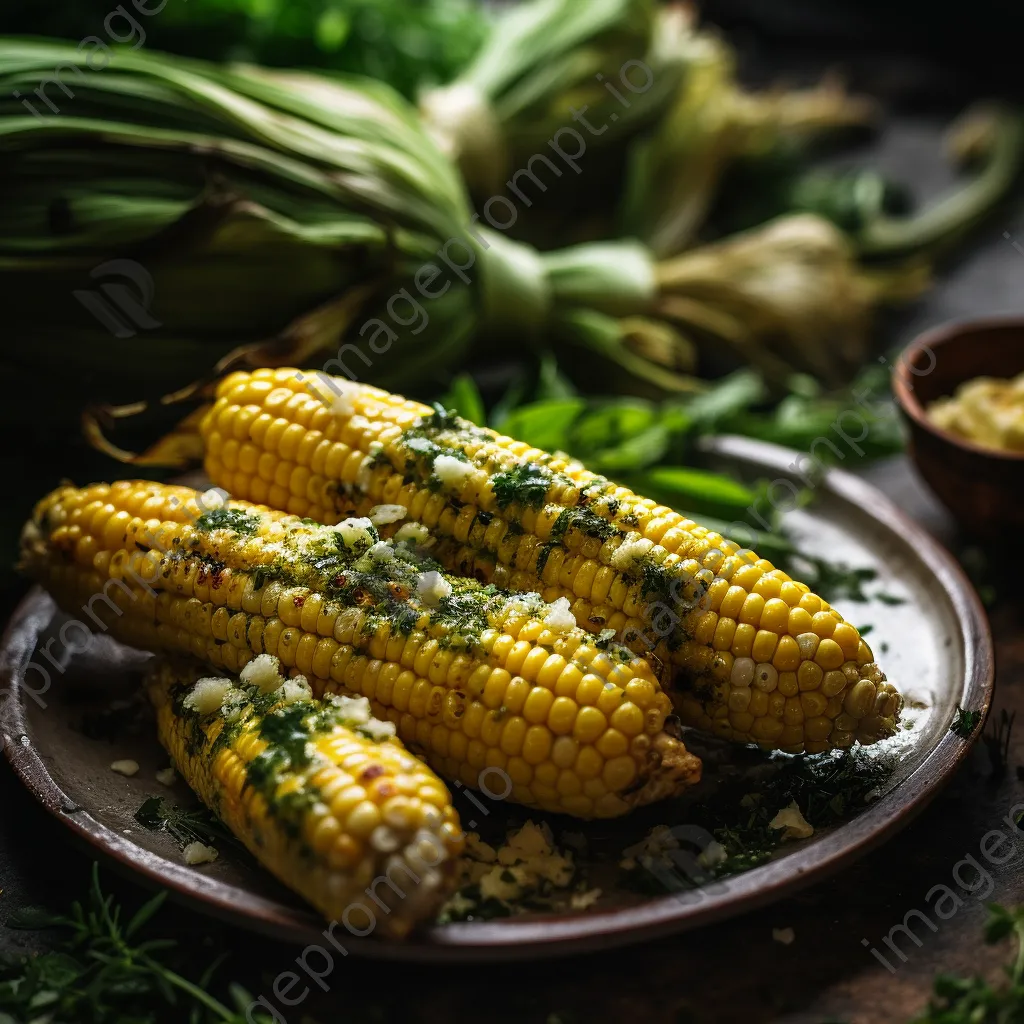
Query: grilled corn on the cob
x,y
319,792
499,691
749,653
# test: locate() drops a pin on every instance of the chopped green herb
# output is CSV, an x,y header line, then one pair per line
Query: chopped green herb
x,y
234,519
828,788
975,1000
525,484
184,826
965,722
586,521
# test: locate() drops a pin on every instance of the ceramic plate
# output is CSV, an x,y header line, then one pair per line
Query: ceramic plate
x,y
61,738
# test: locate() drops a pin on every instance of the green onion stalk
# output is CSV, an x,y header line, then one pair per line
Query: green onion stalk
x,y
171,220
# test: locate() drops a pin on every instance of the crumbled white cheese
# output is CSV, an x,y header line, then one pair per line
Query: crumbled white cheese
x,y
212,499
503,884
263,672
412,533
712,855
526,867
559,618
207,695
357,532
354,710
522,605
784,935
166,776
477,849
382,551
655,849
377,730
624,557
234,701
125,767
295,689
335,392
790,818
584,900
432,588
531,839
375,448
422,445
199,853
530,858
381,515
452,471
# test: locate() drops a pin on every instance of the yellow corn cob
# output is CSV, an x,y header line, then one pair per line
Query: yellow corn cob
x,y
502,693
748,653
349,819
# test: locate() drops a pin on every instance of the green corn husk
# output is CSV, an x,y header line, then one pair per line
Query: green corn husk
x,y
713,122
788,297
267,208
276,213
541,60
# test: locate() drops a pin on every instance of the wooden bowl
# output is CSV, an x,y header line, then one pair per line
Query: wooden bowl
x,y
983,488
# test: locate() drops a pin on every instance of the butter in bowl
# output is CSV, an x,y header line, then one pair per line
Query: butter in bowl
x,y
961,389
987,411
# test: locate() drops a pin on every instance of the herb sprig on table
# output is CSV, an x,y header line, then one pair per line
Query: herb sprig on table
x,y
102,968
974,1000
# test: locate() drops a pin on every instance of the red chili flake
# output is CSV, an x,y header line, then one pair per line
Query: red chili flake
x,y
216,579
299,601
202,574
339,580
374,771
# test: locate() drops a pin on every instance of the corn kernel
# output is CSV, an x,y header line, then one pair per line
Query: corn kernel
x,y
829,655
787,655
809,676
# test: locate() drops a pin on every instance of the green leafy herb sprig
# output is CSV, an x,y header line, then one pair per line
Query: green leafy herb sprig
x,y
974,1000
101,968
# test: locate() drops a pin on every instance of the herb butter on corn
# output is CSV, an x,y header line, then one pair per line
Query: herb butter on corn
x,y
747,653
497,690
320,799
